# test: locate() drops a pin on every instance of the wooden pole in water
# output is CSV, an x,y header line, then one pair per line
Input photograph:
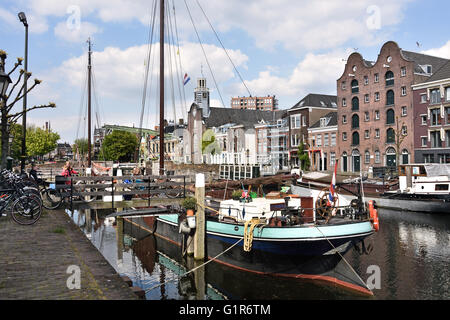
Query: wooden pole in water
x,y
199,238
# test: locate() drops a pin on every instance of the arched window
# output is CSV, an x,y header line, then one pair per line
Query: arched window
x,y
355,139
355,104
355,121
390,98
389,78
390,116
377,156
405,156
367,156
390,135
355,86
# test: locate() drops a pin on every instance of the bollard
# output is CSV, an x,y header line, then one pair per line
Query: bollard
x,y
199,237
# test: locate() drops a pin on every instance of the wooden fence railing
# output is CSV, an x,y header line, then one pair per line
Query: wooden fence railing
x,y
145,187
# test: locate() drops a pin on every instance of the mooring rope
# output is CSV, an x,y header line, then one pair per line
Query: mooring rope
x,y
351,268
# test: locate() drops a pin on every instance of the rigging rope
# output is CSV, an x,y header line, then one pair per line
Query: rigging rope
x,y
223,47
204,53
180,81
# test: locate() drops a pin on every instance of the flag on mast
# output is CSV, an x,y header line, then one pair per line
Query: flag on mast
x,y
186,79
332,186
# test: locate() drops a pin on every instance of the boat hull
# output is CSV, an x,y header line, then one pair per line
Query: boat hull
x,y
293,251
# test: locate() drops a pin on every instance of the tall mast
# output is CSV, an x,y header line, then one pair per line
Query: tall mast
x,y
161,90
89,103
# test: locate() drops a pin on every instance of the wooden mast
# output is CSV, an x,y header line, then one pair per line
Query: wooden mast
x,y
161,89
89,103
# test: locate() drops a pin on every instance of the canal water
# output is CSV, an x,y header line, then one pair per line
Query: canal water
x,y
409,258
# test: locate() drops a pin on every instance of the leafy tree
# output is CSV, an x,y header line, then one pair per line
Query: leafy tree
x,y
40,142
118,146
209,143
82,146
303,156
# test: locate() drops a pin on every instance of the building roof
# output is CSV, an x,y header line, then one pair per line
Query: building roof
x,y
317,100
421,59
248,118
333,120
442,73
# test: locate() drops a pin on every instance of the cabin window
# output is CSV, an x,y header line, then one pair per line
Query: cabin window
x,y
441,187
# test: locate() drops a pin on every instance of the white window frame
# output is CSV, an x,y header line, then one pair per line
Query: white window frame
x,y
424,117
423,98
377,115
294,122
377,96
377,133
403,91
405,113
403,71
422,139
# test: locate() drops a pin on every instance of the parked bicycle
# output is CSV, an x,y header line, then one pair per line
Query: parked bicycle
x,y
22,202
54,194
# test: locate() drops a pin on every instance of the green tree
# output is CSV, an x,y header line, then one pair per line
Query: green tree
x,y
303,157
82,146
119,146
40,142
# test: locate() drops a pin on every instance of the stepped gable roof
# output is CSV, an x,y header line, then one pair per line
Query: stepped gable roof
x,y
333,120
317,100
442,73
424,59
248,118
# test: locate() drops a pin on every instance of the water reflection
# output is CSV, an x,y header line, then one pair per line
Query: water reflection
x,y
411,249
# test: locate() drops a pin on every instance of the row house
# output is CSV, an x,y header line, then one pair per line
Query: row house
x,y
302,115
323,143
432,114
375,107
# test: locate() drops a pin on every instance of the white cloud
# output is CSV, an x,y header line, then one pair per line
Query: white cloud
x,y
76,34
443,52
120,72
316,73
296,25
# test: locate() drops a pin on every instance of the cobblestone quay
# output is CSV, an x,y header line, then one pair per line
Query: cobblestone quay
x,y
42,262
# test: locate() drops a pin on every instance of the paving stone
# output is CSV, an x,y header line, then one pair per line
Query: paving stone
x,y
34,261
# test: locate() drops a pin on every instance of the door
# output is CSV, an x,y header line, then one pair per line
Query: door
x,y
356,163
390,160
344,163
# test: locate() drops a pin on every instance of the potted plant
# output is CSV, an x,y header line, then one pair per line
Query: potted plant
x,y
189,204
236,195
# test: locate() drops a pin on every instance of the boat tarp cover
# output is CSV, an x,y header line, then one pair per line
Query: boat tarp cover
x,y
434,170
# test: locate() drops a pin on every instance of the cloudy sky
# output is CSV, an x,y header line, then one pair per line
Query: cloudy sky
x,y
280,47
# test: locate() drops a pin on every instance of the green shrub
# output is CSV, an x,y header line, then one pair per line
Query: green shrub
x,y
189,203
236,195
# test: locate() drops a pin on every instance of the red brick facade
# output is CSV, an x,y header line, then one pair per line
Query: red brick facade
x,y
385,103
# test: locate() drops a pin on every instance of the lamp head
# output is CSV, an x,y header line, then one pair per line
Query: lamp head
x,y
23,18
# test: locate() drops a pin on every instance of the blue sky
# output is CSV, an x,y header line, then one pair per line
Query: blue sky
x,y
281,47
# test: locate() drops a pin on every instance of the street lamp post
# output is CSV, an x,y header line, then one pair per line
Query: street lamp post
x,y
23,19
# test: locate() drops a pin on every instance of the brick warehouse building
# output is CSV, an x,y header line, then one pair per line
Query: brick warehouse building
x,y
375,107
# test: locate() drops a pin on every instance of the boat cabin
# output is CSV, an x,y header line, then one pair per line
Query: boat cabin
x,y
424,178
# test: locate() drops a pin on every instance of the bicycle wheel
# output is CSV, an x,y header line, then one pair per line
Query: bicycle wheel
x,y
27,210
51,199
86,199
